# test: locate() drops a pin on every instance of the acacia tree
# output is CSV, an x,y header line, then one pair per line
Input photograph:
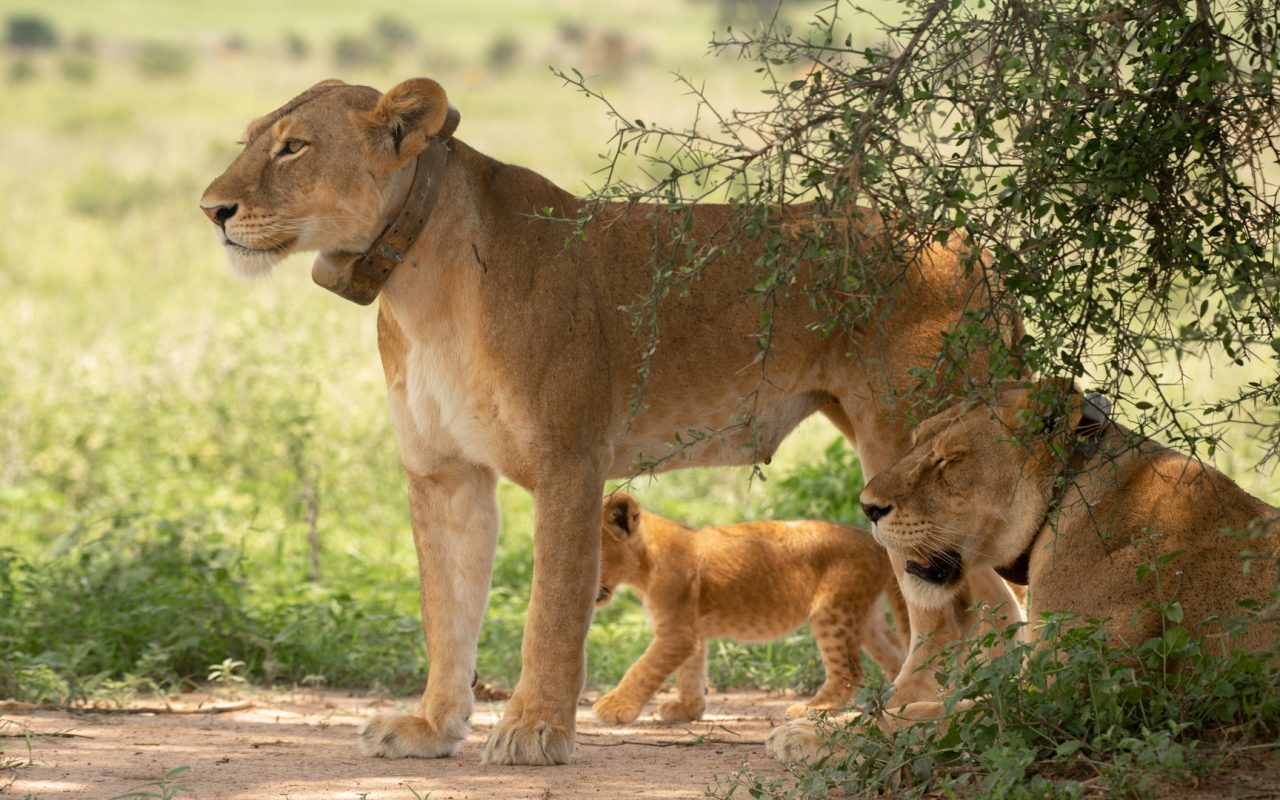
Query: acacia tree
x,y
1118,162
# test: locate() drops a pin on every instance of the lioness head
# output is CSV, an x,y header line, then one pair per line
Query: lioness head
x,y
621,544
974,489
322,172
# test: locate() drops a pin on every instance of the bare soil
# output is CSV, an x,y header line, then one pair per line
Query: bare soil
x,y
301,745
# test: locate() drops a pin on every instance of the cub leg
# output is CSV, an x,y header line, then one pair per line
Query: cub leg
x,y
881,644
455,530
837,629
670,648
691,678
538,726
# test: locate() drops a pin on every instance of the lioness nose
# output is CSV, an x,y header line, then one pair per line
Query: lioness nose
x,y
875,513
219,215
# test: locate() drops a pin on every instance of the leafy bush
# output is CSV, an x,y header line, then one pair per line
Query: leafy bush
x,y
351,51
1046,720
22,70
394,33
78,68
157,59
29,31
826,489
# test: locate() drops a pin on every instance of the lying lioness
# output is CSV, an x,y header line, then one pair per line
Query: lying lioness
x,y
754,581
1098,521
509,348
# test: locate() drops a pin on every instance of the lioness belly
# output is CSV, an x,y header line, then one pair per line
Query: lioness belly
x,y
727,434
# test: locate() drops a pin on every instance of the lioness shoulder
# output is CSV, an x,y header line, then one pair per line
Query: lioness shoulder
x,y
752,581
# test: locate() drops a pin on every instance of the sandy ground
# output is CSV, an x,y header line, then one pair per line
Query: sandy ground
x,y
301,745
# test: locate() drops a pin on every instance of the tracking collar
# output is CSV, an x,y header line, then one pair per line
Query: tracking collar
x,y
1093,423
359,277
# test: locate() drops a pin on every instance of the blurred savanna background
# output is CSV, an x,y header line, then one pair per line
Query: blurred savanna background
x,y
198,478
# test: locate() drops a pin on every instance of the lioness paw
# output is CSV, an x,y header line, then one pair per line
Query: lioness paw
x,y
679,711
616,709
515,742
794,742
405,736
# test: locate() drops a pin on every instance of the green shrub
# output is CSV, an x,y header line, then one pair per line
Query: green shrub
x,y
394,33
157,59
22,70
351,52
78,68
1045,717
296,47
826,489
30,32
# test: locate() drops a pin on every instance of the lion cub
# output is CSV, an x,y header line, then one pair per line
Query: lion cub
x,y
754,581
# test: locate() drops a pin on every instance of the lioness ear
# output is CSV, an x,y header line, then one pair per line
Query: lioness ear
x,y
621,515
1050,407
404,119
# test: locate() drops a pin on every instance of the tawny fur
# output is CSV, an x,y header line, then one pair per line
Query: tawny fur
x,y
506,352
966,485
753,582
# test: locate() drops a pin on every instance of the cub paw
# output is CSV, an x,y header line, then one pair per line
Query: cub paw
x,y
798,710
680,711
530,743
616,709
794,742
405,736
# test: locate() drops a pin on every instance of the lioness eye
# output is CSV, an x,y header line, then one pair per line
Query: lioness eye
x,y
291,147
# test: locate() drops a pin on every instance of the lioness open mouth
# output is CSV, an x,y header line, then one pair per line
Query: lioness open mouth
x,y
603,595
940,569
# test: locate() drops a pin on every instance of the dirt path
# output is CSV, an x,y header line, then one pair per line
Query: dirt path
x,y
301,745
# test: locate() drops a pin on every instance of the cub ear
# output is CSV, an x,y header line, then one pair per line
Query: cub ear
x,y
405,118
621,515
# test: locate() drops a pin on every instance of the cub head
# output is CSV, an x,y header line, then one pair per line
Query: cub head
x,y
621,545
975,487
322,172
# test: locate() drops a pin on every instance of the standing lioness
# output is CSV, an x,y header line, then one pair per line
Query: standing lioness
x,y
753,581
507,350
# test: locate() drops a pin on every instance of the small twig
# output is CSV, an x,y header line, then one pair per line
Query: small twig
x,y
223,709
697,741
53,735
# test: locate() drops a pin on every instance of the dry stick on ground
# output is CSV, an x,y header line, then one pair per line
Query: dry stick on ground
x,y
223,709
695,740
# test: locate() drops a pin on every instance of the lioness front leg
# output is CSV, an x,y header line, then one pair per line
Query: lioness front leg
x,y
668,650
455,530
538,726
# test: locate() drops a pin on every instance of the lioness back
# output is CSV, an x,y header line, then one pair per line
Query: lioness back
x,y
752,581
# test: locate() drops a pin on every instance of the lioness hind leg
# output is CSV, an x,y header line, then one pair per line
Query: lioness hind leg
x,y
837,631
691,678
